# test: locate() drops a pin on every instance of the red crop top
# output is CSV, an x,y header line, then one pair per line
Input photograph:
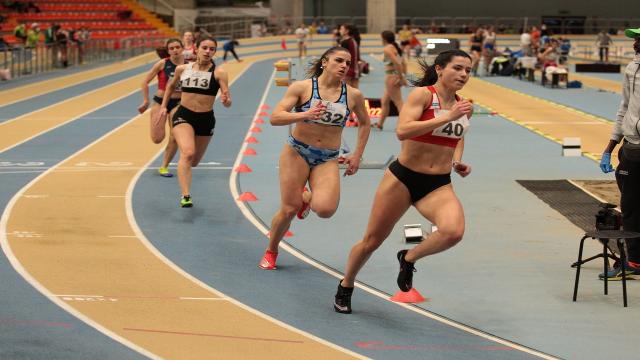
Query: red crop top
x,y
446,135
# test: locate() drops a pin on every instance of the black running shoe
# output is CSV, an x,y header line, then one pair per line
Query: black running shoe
x,y
405,276
342,303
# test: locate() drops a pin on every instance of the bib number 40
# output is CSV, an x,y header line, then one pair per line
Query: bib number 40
x,y
455,129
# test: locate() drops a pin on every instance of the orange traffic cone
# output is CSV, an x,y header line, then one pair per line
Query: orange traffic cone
x,y
255,129
412,297
259,121
247,196
251,140
249,151
265,107
242,168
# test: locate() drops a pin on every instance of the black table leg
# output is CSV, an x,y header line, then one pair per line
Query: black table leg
x,y
623,263
579,263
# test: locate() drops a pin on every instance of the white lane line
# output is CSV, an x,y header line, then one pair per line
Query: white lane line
x,y
244,208
144,297
202,298
572,182
6,248
66,122
70,85
172,265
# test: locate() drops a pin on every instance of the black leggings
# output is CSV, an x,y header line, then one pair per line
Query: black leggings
x,y
628,179
224,57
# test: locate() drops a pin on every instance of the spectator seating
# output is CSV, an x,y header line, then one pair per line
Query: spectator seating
x,y
105,19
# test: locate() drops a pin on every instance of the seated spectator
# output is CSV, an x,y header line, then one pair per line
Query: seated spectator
x,y
20,32
33,35
550,60
323,28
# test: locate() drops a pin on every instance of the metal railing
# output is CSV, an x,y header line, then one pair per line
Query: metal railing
x,y
21,61
242,28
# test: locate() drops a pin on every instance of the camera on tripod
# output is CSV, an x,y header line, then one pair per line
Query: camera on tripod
x,y
607,218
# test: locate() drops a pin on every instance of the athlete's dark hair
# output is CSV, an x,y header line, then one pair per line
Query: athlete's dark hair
x,y
390,38
353,32
430,76
315,69
172,40
204,38
162,52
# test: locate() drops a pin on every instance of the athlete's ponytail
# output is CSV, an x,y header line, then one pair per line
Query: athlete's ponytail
x,y
390,38
430,75
315,68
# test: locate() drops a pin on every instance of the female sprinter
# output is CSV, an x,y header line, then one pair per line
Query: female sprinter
x,y
189,51
193,121
164,70
322,104
431,128
394,77
475,41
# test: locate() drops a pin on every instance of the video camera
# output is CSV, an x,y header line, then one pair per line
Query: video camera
x,y
607,218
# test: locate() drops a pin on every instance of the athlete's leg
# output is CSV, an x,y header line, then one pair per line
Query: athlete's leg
x,y
185,138
172,147
391,201
444,210
202,142
156,129
325,188
294,172
384,106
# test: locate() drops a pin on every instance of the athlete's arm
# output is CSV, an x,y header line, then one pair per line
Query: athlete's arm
x,y
145,85
171,85
458,166
409,124
364,128
281,113
223,80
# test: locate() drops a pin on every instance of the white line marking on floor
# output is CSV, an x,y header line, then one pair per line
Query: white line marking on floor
x,y
8,251
66,122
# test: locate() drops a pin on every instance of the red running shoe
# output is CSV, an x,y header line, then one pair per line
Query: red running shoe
x,y
306,207
268,261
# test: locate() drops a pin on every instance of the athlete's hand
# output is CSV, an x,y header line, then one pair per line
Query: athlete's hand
x,y
401,81
462,107
225,99
143,107
461,168
353,164
605,163
161,115
315,112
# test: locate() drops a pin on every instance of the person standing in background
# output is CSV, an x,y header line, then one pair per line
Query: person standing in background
x,y
627,129
603,41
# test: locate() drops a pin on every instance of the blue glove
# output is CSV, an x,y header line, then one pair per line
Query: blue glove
x,y
605,163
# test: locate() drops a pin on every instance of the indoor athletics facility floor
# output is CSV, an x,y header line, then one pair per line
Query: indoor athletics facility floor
x,y
99,261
